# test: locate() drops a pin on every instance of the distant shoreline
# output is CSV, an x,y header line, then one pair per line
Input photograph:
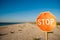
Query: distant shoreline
x,y
9,23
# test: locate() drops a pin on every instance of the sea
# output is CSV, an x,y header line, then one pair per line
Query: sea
x,y
9,23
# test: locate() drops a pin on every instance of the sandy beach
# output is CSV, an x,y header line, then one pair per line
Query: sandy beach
x,y
27,31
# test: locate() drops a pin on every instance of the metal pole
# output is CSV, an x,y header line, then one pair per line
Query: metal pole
x,y
46,35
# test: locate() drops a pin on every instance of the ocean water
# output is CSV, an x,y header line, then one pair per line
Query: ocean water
x,y
9,23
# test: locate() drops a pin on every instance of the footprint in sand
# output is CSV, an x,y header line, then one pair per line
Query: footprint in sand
x,y
2,34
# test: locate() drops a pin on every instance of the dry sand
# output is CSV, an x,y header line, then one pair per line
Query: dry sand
x,y
27,31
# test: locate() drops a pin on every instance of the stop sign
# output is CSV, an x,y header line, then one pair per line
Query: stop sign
x,y
46,21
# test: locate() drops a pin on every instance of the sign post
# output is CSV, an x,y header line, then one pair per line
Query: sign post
x,y
46,22
46,35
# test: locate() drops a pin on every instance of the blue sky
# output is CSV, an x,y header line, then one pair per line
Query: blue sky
x,y
27,10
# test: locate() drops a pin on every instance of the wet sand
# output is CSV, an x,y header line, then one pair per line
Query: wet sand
x,y
27,31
